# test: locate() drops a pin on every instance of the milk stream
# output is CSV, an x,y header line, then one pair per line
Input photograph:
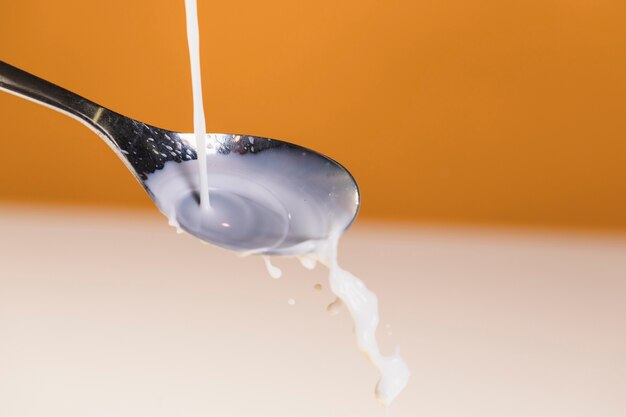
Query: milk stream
x,y
199,125
362,305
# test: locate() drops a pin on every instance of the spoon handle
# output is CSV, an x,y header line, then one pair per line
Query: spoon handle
x,y
142,147
33,88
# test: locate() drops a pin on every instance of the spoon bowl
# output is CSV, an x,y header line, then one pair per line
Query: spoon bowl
x,y
267,196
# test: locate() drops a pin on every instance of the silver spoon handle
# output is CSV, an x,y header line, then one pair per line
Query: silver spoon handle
x,y
33,88
142,147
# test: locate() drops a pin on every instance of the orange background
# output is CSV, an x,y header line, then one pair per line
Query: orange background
x,y
456,111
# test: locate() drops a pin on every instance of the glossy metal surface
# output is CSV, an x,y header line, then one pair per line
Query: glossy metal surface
x,y
315,182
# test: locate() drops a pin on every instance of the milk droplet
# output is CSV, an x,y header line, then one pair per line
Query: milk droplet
x,y
335,307
274,271
171,220
291,302
307,261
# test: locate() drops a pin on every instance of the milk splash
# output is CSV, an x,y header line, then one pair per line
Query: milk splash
x,y
363,307
362,304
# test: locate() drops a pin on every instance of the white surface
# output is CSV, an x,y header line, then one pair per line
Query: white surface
x,y
113,314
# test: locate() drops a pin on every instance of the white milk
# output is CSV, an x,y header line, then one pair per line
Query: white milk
x,y
273,270
239,199
199,125
363,307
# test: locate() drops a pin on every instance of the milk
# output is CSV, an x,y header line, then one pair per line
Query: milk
x,y
362,304
261,212
274,271
363,307
199,125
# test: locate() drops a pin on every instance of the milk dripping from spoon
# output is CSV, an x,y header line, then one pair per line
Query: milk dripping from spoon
x,y
360,302
267,196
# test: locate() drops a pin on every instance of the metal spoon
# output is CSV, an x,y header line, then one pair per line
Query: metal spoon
x,y
267,196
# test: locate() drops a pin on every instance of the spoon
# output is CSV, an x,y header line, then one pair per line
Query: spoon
x,y
267,196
